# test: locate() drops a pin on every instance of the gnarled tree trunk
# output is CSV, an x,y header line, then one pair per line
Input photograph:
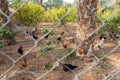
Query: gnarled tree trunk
x,y
87,24
4,8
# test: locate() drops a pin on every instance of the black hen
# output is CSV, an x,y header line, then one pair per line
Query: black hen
x,y
47,36
102,36
27,31
20,50
59,38
35,37
68,67
114,35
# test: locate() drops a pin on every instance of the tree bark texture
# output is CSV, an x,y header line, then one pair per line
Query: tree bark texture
x,y
87,24
4,8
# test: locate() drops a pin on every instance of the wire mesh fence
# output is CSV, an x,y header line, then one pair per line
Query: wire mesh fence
x,y
12,71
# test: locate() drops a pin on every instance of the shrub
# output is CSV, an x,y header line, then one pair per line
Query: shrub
x,y
45,30
47,17
44,49
59,13
29,14
112,23
5,34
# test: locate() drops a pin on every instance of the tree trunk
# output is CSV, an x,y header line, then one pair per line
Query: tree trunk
x,y
41,2
5,9
87,24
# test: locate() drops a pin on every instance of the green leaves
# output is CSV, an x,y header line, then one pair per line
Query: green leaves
x,y
44,30
44,49
29,14
59,13
6,34
1,44
112,22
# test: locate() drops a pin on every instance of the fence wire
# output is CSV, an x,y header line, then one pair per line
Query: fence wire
x,y
77,75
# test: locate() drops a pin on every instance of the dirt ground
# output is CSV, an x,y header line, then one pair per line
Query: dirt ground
x,y
37,65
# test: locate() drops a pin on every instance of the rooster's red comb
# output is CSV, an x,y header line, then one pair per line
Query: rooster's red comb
x,y
21,46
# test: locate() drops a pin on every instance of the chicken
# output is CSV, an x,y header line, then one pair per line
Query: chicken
x,y
68,67
33,31
90,51
113,35
60,36
35,37
27,31
100,44
20,50
62,33
23,64
69,39
82,51
47,36
64,45
102,36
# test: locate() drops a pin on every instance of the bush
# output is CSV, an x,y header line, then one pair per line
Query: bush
x,y
5,34
45,30
60,12
47,17
112,23
29,14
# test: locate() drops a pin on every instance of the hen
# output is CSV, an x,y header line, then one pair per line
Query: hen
x,y
68,67
23,64
35,37
20,50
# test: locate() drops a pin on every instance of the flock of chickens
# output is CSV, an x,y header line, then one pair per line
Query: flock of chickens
x,y
66,67
23,64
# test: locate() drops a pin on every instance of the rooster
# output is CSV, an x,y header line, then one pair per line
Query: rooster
x,y
68,67
20,50
64,45
35,37
23,64
59,38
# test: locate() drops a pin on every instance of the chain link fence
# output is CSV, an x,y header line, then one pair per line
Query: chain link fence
x,y
76,74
